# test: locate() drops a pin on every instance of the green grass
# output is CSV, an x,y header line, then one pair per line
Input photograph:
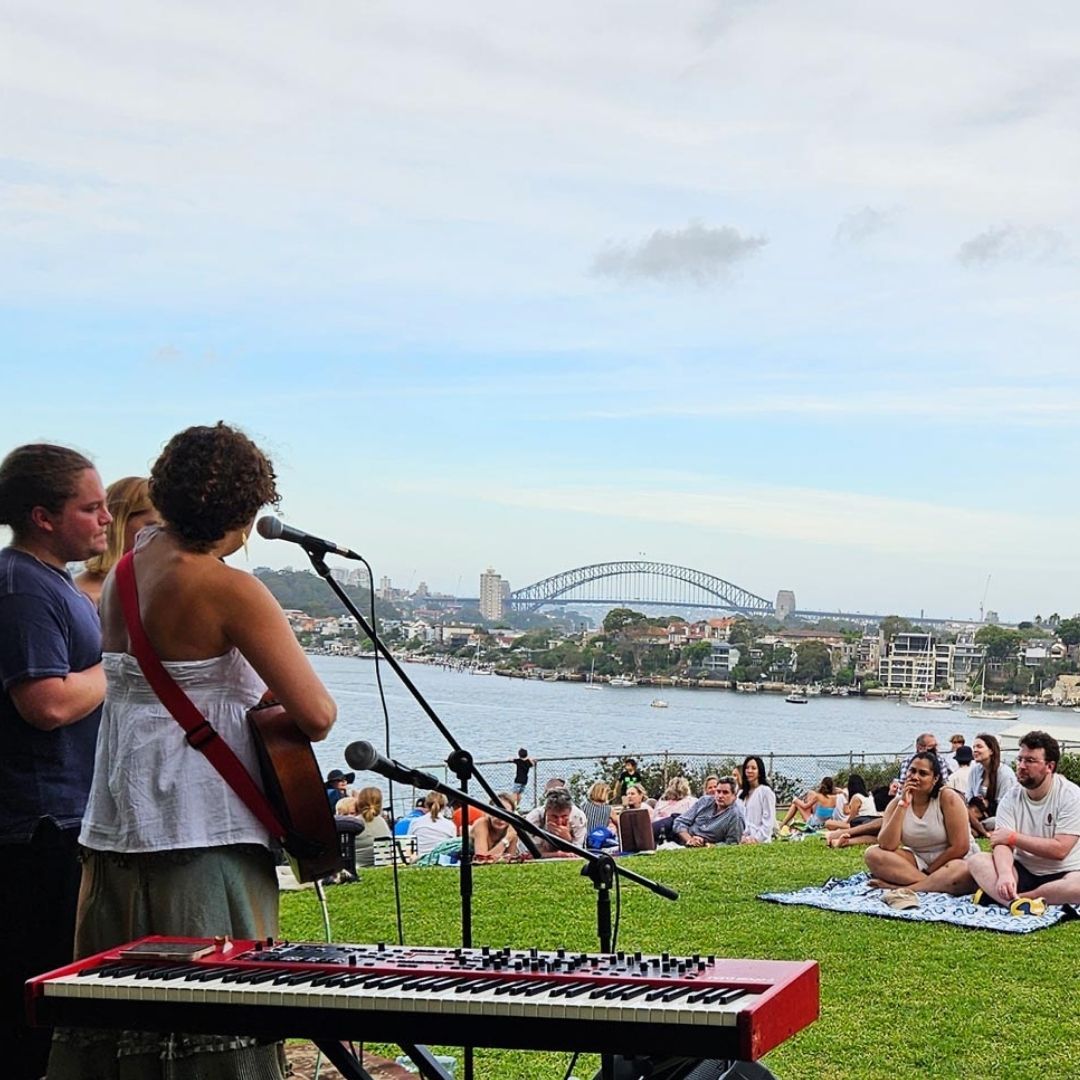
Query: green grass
x,y
897,999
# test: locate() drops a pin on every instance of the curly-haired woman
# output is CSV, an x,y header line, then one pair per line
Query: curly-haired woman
x,y
170,849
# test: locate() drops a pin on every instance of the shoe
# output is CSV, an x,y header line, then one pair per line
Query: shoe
x,y
785,830
981,898
1028,905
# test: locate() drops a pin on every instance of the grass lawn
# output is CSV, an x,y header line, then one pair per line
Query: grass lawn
x,y
897,999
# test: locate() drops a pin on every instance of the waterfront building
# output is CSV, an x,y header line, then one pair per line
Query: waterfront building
x,y
915,663
723,656
492,594
968,658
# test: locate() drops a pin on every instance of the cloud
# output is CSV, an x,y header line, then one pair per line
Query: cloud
x,y
860,225
1010,243
698,254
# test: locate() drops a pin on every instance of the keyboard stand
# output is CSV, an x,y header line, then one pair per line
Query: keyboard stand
x,y
348,1064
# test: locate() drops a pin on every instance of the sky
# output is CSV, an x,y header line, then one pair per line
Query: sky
x,y
782,292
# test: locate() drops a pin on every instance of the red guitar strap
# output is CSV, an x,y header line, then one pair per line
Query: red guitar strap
x,y
200,734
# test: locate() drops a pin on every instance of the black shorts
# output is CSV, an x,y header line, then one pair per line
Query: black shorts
x,y
1026,881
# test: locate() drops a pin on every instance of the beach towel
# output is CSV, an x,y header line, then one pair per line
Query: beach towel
x,y
855,896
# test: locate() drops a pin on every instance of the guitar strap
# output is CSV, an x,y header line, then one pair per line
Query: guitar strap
x,y
199,732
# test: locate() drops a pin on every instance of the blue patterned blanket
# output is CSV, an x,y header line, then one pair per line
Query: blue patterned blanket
x,y
854,895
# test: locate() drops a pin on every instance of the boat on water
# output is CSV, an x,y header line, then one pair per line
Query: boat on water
x,y
980,712
797,699
622,680
929,703
590,679
658,703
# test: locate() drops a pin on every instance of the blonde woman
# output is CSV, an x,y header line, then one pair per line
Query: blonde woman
x,y
128,501
431,829
366,804
598,807
492,837
676,799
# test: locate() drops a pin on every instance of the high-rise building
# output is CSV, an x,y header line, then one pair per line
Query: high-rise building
x,y
491,594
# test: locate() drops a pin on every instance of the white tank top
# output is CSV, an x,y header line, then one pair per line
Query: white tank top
x,y
152,791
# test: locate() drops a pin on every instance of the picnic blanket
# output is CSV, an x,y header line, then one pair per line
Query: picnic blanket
x,y
854,895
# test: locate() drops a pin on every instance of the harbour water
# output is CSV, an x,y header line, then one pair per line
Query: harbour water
x,y
492,716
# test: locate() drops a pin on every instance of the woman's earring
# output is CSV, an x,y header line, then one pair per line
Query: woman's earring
x,y
243,541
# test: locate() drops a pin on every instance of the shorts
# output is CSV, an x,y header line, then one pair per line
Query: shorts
x,y
923,859
518,789
1026,881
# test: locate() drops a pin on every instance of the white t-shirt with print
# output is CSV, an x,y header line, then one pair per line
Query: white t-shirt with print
x,y
1058,811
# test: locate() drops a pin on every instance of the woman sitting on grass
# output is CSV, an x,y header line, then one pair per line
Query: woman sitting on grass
x,y
757,803
492,837
675,800
815,807
859,804
598,808
988,781
924,835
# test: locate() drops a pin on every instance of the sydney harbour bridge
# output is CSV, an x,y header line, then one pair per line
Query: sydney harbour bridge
x,y
654,584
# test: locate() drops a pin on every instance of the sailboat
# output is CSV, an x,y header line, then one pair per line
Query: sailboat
x,y
982,713
922,699
590,684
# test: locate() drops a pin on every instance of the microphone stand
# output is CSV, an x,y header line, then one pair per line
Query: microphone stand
x,y
600,868
460,760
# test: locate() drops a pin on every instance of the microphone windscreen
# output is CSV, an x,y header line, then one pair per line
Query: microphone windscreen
x,y
269,528
361,756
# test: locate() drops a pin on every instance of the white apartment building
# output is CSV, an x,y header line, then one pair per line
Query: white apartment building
x,y
915,663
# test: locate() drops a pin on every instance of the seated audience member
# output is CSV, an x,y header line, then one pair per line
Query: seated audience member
x,y
925,743
1033,849
636,798
598,809
713,819
368,803
815,807
709,787
756,803
924,838
431,828
864,830
559,816
859,804
960,777
989,781
337,785
475,814
676,799
401,826
492,837
955,742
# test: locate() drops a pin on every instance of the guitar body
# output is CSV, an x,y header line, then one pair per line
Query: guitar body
x,y
294,787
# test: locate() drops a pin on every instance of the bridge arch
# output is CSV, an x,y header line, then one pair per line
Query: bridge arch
x,y
700,589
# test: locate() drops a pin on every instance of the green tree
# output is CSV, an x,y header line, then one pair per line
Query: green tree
x,y
1069,630
892,625
1000,643
814,661
617,620
696,654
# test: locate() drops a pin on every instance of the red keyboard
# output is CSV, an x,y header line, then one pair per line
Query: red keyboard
x,y
624,1003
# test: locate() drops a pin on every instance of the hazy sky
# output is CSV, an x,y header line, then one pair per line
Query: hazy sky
x,y
785,292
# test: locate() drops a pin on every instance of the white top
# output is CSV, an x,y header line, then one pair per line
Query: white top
x,y
959,779
866,806
1058,811
430,833
758,812
152,791
1006,780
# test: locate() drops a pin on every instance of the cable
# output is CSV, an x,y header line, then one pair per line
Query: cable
x,y
386,740
618,914
570,1068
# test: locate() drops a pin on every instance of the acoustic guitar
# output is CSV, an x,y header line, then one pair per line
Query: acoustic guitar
x,y
294,788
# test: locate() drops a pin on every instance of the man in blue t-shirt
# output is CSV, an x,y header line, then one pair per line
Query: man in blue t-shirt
x,y
51,689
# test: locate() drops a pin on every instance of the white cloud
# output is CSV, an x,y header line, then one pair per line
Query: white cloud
x,y
1010,243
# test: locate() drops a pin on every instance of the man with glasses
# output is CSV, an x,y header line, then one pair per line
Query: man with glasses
x,y
1034,852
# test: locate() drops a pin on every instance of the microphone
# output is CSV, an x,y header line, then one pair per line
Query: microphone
x,y
270,528
363,757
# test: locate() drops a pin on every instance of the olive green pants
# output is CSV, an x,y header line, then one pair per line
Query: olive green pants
x,y
198,893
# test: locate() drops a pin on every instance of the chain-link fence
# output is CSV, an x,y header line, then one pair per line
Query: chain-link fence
x,y
789,774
